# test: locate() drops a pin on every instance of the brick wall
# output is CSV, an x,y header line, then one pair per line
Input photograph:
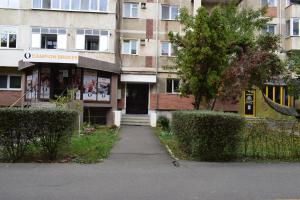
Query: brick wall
x,y
272,12
171,102
9,97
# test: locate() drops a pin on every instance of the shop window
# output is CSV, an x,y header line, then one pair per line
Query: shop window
x,y
292,27
130,10
167,49
8,37
130,47
49,38
269,3
173,86
250,102
270,28
10,82
9,4
169,12
92,39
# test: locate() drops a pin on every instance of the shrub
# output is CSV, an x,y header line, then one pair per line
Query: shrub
x,y
19,127
163,123
208,136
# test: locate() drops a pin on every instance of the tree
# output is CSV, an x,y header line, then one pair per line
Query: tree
x,y
220,52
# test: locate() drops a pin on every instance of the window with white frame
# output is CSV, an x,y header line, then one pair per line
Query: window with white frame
x,y
169,12
72,5
167,49
129,47
130,10
269,28
10,82
8,37
9,3
173,86
92,39
48,38
269,3
293,27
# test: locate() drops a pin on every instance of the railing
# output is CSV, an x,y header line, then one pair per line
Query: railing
x,y
19,99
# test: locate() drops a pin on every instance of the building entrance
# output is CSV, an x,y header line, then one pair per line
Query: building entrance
x,y
137,98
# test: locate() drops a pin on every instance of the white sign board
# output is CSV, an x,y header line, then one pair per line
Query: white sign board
x,y
48,56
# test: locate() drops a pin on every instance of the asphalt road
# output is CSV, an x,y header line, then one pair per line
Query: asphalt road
x,y
131,174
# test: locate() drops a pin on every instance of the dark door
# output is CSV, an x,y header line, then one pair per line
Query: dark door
x,y
137,98
62,81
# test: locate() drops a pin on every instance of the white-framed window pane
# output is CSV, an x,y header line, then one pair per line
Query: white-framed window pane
x,y
134,10
92,42
104,42
65,4
75,4
46,3
133,47
288,28
103,5
176,84
165,12
15,82
296,27
12,40
271,29
37,3
3,40
13,3
272,3
126,9
126,46
55,4
165,48
174,12
94,4
3,81
84,5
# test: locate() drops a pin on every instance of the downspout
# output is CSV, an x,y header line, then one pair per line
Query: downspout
x,y
157,52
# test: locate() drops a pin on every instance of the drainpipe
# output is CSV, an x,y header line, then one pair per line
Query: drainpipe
x,y
157,52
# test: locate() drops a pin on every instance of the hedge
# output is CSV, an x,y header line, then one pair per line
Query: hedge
x,y
20,127
208,136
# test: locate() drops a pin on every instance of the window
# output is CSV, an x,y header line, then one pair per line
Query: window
x,y
173,86
49,38
71,5
92,39
8,37
130,10
10,82
129,47
167,49
270,28
292,27
9,4
169,12
269,3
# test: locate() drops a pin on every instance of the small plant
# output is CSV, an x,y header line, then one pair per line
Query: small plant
x,y
163,123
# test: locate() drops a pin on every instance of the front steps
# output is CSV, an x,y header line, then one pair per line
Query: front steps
x,y
41,104
135,120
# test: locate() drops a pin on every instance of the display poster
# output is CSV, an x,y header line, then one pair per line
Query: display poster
x,y
45,83
249,102
35,80
77,84
103,89
29,87
90,85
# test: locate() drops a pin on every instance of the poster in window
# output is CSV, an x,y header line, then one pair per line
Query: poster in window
x,y
29,87
103,89
249,102
90,85
45,83
77,84
35,84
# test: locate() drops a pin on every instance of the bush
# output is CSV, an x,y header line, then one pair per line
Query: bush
x,y
208,136
163,123
19,127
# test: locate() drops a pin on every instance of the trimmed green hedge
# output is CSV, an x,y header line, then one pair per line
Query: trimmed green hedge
x,y
208,136
47,127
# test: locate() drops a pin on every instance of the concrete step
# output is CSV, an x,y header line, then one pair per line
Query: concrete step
x,y
138,120
135,123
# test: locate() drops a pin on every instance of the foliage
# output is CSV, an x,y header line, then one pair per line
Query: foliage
x,y
164,123
19,127
219,52
209,136
261,141
292,75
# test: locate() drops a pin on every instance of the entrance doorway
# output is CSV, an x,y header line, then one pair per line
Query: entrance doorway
x,y
137,98
62,81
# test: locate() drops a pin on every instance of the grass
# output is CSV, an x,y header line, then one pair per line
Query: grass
x,y
86,148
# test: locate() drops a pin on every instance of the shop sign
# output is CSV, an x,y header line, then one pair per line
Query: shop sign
x,y
49,56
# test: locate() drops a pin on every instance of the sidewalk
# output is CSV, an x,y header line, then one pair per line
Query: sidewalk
x,y
138,145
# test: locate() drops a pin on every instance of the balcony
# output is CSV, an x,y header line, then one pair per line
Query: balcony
x,y
292,43
293,10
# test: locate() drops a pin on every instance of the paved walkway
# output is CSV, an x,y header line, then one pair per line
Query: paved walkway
x,y
138,146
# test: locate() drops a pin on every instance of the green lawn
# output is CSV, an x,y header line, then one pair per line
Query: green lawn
x,y
85,148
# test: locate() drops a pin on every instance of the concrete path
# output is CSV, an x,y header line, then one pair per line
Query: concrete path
x,y
138,146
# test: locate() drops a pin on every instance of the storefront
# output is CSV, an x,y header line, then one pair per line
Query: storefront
x,y
50,74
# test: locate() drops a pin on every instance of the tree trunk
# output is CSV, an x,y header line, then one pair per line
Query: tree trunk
x,y
197,102
213,104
